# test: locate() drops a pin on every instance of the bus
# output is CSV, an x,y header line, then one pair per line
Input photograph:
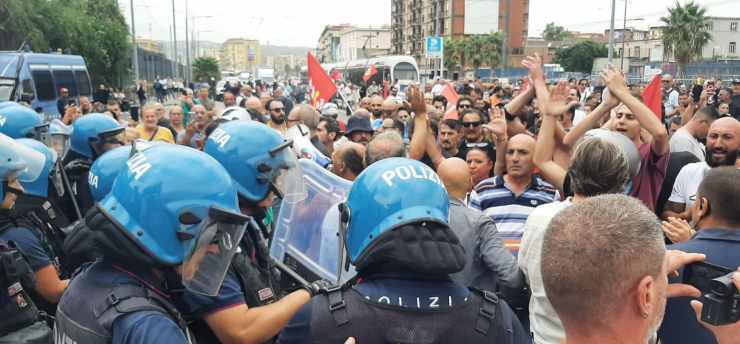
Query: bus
x,y
37,79
395,69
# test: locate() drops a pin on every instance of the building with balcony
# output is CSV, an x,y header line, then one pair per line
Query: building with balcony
x,y
240,55
414,20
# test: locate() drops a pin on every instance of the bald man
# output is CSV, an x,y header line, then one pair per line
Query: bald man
x,y
348,160
509,199
723,142
489,264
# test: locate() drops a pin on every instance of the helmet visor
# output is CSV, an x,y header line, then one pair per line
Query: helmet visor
x,y
22,162
288,182
204,269
58,137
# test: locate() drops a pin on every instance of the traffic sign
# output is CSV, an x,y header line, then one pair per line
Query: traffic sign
x,y
434,47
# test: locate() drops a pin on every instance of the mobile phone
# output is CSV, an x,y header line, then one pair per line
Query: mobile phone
x,y
700,274
696,92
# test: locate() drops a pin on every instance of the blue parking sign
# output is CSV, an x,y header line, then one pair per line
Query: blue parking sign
x,y
434,47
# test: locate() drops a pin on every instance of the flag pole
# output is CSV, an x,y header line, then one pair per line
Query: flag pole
x,y
345,101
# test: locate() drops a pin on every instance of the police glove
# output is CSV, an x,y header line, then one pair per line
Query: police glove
x,y
77,166
317,287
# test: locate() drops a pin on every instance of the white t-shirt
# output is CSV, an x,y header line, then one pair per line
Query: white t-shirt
x,y
578,116
682,141
687,183
544,322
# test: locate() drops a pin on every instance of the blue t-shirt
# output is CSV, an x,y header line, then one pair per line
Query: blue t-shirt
x,y
146,327
30,245
229,295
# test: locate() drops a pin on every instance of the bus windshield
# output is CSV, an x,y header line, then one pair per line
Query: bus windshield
x,y
405,71
7,76
7,85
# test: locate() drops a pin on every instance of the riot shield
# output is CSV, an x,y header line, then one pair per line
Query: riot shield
x,y
303,147
306,236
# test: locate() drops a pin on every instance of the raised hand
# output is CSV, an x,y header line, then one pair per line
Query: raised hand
x,y
534,65
557,102
614,80
497,125
416,100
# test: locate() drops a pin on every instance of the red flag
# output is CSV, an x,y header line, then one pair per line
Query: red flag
x,y
323,87
452,97
369,73
652,96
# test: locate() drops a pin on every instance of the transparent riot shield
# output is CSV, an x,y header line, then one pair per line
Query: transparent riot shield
x,y
303,147
306,235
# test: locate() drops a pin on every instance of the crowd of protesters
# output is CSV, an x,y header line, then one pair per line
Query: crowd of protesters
x,y
578,206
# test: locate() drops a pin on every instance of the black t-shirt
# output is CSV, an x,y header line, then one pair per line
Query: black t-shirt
x,y
735,106
676,161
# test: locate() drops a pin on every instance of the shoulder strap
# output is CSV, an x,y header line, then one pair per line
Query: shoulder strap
x,y
337,306
130,298
487,310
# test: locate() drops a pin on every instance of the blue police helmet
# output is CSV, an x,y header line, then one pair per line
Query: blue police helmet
x,y
17,161
90,132
159,197
39,186
254,155
7,104
18,121
391,193
104,170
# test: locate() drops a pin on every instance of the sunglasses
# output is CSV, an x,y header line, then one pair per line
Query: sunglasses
x,y
471,124
465,106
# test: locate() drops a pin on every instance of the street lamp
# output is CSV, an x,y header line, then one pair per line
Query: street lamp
x,y
192,34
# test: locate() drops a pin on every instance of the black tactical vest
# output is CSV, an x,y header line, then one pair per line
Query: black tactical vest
x,y
346,313
253,270
25,224
17,310
108,302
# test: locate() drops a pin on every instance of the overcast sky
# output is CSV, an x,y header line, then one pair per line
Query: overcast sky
x,y
300,22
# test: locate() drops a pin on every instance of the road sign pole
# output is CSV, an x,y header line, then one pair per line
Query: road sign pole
x,y
442,58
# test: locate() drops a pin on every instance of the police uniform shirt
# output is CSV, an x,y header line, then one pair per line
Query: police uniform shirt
x,y
30,245
230,295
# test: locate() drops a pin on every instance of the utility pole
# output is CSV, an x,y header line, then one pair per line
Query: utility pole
x,y
624,38
175,57
187,46
611,34
136,47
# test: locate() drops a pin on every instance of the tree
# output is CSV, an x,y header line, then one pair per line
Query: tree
x,y
685,34
205,69
472,51
553,32
580,57
94,29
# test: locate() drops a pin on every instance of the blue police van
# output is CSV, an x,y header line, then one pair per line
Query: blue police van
x,y
38,78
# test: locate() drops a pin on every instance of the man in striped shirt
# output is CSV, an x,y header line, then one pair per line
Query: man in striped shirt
x,y
509,199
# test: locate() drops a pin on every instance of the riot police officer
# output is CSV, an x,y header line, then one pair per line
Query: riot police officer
x,y
395,232
163,226
21,321
21,122
38,242
247,308
92,135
